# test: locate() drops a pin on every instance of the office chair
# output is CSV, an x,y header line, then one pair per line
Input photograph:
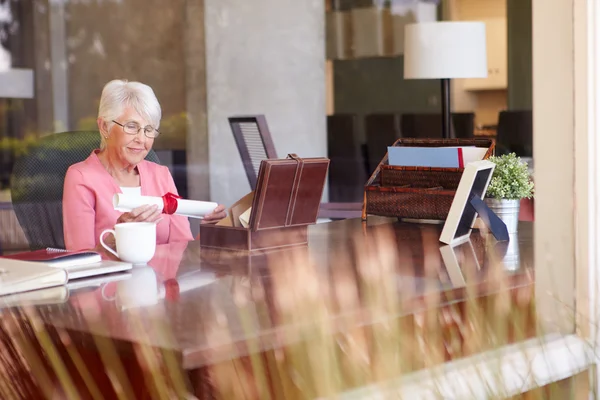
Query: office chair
x,y
382,130
429,126
515,133
37,184
254,143
463,125
347,172
423,126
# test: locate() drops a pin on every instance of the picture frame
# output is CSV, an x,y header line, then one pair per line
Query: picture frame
x,y
461,217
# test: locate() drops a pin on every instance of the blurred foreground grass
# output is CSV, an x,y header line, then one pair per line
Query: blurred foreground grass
x,y
320,346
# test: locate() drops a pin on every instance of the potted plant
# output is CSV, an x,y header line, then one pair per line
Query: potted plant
x,y
510,183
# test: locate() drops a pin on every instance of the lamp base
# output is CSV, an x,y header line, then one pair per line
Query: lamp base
x,y
446,117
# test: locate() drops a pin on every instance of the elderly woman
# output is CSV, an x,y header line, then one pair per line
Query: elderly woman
x,y
128,120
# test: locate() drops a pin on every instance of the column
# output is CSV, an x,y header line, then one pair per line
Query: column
x,y
263,57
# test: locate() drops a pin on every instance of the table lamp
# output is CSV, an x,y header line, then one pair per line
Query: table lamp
x,y
445,50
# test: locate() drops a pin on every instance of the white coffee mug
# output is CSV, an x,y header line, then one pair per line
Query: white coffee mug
x,y
136,241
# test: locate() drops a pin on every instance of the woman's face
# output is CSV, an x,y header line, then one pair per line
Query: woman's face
x,y
130,149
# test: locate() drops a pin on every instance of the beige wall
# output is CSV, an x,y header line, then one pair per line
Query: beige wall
x,y
474,9
488,105
263,57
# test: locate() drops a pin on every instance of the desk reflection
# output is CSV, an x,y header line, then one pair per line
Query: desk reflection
x,y
358,298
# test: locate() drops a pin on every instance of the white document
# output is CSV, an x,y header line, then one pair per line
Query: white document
x,y
435,157
471,154
98,268
20,276
188,208
245,218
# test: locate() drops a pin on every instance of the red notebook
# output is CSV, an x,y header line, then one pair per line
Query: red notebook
x,y
58,257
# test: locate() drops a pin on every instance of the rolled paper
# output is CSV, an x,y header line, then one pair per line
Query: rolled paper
x,y
168,204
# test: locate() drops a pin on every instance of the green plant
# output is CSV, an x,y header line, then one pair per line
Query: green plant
x,y
511,179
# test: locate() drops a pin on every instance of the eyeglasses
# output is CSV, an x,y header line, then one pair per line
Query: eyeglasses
x,y
131,128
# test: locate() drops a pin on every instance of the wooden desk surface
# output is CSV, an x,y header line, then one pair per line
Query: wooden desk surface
x,y
215,306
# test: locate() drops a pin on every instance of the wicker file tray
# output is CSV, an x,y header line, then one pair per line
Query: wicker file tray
x,y
416,192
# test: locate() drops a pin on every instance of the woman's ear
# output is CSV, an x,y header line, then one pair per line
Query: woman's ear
x,y
102,127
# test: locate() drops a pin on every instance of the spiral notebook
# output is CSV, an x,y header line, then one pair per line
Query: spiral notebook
x,y
58,257
20,268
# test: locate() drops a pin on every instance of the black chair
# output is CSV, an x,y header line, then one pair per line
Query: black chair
x,y
430,126
382,130
464,125
176,161
254,143
515,133
422,126
347,175
37,184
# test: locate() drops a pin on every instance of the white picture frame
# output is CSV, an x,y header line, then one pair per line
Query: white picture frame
x,y
461,217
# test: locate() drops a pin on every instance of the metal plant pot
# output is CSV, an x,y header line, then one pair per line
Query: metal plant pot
x,y
507,211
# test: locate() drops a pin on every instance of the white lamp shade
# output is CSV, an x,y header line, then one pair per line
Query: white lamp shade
x,y
445,50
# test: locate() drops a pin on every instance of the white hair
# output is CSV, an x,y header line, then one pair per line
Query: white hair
x,y
119,94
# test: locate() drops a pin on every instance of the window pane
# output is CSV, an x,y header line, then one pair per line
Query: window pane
x,y
241,81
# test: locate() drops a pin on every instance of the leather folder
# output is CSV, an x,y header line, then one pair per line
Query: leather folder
x,y
286,200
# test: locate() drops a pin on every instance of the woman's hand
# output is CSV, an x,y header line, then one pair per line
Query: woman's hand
x,y
215,216
145,213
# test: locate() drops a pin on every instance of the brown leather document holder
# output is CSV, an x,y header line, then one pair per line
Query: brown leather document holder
x,y
286,200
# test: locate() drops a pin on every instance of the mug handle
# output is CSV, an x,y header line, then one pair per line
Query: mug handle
x,y
104,244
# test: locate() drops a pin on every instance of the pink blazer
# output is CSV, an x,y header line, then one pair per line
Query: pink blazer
x,y
88,208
